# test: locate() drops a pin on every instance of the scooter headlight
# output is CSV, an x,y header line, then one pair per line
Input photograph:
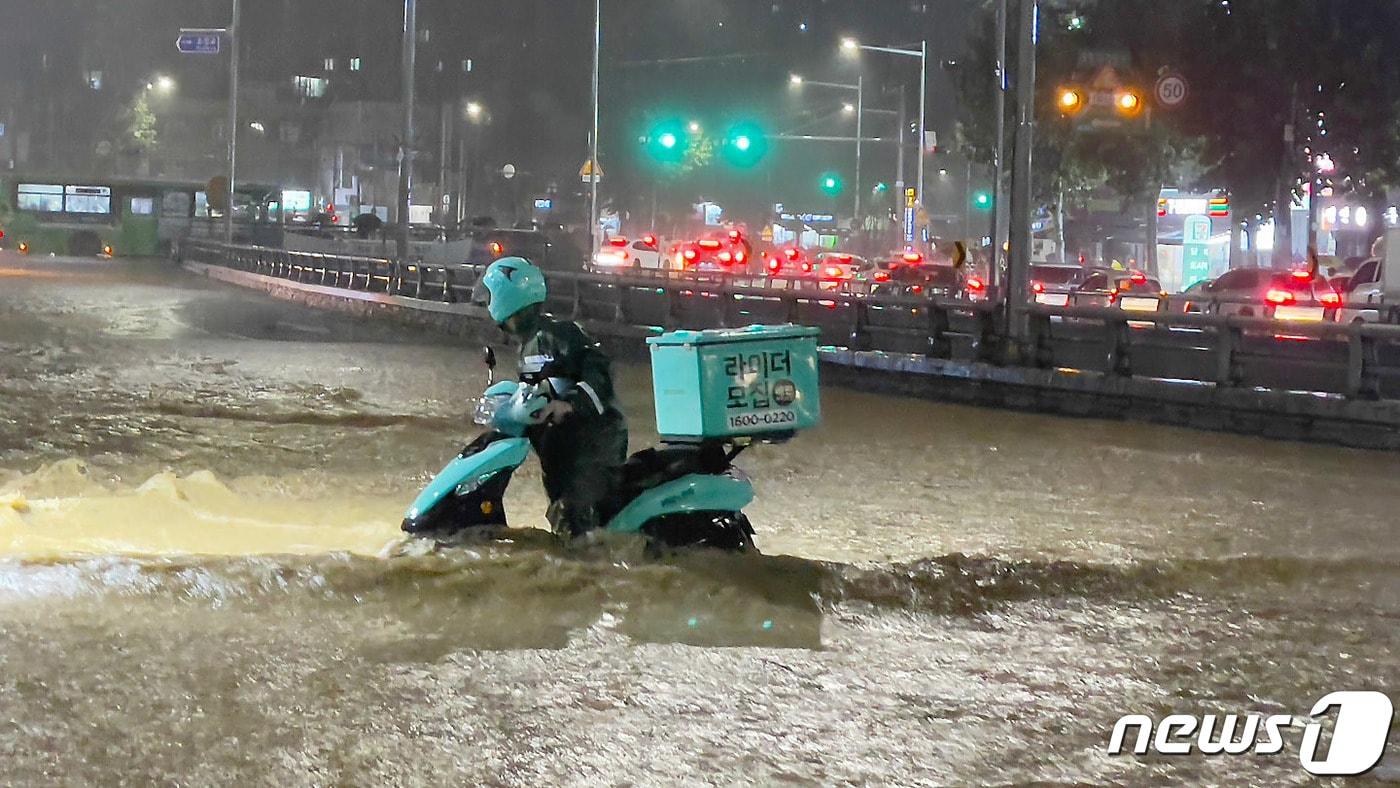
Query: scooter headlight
x,y
486,408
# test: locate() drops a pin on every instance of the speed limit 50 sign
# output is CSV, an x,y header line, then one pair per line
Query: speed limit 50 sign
x,y
1171,91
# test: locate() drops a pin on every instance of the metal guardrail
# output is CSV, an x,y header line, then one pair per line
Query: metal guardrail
x,y
1353,360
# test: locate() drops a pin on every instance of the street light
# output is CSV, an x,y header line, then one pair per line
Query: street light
x,y
852,46
164,83
474,110
796,80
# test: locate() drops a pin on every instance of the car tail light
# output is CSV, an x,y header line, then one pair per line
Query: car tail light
x,y
649,240
1112,296
2,233
619,241
806,268
845,258
497,249
740,257
916,289
1279,297
725,257
689,255
833,271
709,243
774,264
976,284
1303,275
912,257
24,247
881,276
1037,287
1138,278
1331,299
107,249
790,254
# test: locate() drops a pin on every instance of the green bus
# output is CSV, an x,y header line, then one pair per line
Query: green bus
x,y
125,217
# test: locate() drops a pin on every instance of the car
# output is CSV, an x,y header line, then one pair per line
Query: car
x,y
922,279
839,266
1364,294
1194,298
1052,284
1132,291
1280,295
620,253
789,260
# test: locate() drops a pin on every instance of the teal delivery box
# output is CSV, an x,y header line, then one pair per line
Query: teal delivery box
x,y
735,382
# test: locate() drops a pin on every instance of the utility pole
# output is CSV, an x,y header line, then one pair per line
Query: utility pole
x,y
232,122
593,137
923,115
860,114
447,121
999,153
410,57
1018,270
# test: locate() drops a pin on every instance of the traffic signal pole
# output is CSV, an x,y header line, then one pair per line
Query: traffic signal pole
x,y
410,55
232,121
996,273
1018,269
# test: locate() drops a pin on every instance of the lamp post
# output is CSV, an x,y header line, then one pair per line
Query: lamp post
x,y
852,46
859,89
232,121
410,54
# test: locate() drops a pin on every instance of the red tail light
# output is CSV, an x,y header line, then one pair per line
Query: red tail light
x,y
916,289
1303,276
725,257
833,271
790,254
806,268
845,258
774,264
912,257
974,283
709,243
1138,278
649,240
740,257
496,248
2,233
1279,297
881,276
1037,287
1331,299
24,247
689,254
733,235
619,241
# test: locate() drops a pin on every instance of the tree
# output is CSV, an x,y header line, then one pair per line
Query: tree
x,y
139,137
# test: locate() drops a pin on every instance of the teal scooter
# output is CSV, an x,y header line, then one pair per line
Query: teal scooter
x,y
717,392
677,495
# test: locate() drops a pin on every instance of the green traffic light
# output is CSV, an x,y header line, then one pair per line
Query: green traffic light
x,y
982,200
667,141
745,144
830,184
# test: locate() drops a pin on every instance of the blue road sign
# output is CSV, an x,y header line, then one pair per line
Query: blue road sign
x,y
199,42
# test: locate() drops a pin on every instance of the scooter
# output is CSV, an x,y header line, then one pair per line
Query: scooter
x,y
677,495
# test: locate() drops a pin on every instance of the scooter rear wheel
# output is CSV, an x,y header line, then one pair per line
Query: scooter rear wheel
x,y
729,531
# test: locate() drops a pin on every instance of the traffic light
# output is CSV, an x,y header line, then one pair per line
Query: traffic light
x,y
1128,102
667,141
982,201
830,184
1070,101
745,144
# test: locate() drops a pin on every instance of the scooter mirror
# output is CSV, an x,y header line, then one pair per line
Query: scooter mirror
x,y
489,357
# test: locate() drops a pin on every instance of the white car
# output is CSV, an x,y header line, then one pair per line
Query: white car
x,y
1364,299
619,253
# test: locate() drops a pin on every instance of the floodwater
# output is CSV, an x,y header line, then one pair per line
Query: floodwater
x,y
202,581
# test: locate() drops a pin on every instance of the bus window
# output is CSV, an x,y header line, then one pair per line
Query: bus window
x,y
42,197
87,199
175,204
143,206
201,205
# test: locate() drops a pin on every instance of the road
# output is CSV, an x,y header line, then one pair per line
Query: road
x,y
202,578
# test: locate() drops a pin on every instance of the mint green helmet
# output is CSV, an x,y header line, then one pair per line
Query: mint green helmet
x,y
510,285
